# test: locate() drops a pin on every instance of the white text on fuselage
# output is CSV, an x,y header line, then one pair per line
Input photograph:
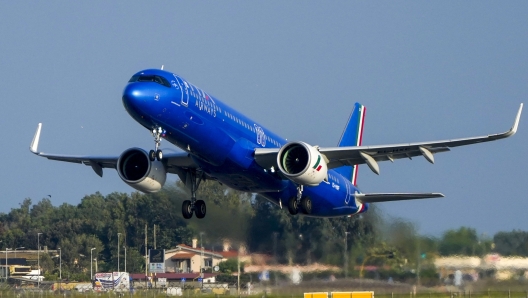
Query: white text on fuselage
x,y
207,106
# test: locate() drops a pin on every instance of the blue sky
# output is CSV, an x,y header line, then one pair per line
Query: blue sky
x,y
425,71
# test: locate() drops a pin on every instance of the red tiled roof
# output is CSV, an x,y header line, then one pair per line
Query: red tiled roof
x,y
229,254
179,256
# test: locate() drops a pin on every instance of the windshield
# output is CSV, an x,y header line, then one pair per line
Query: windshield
x,y
150,78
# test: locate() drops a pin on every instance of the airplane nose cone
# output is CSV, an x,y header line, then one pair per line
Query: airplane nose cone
x,y
134,99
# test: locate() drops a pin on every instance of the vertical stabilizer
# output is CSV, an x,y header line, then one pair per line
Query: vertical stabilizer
x,y
352,136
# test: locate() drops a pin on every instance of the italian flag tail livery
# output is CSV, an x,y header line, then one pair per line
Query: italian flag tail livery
x,y
352,136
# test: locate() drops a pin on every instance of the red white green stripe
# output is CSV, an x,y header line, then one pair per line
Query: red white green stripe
x,y
317,165
359,138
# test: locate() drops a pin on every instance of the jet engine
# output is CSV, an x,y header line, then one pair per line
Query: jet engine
x,y
135,169
302,163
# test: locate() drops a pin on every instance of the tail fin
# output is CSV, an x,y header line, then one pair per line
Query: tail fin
x,y
352,136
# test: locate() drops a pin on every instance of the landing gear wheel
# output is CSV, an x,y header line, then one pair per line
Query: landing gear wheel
x,y
199,209
293,206
306,205
159,155
187,210
152,155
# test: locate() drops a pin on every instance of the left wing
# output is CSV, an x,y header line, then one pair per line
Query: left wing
x,y
172,161
353,155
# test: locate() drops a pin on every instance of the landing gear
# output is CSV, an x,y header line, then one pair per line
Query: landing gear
x,y
194,206
199,209
306,205
157,133
293,206
187,209
300,203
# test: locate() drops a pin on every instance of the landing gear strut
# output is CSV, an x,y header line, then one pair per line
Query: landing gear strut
x,y
305,203
157,133
193,205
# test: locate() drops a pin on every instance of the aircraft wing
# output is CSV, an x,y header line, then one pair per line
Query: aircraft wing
x,y
173,161
371,155
389,197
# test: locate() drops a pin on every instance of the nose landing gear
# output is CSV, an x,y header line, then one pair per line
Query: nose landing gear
x,y
157,133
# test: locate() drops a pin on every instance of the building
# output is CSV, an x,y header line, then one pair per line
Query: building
x,y
500,267
191,259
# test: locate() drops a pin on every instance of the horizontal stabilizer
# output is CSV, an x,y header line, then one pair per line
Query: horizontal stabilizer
x,y
389,197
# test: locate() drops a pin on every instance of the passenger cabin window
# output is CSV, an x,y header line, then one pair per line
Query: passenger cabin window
x,y
150,78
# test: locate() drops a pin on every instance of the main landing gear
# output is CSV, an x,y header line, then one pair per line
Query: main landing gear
x,y
193,205
300,202
157,133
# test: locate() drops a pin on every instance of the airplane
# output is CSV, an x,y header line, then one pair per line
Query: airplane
x,y
222,144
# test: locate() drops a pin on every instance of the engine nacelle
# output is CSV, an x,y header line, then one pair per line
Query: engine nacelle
x,y
302,163
135,169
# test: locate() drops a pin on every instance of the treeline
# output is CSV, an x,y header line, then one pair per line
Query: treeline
x,y
241,219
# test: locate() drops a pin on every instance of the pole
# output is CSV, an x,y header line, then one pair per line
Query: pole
x,y
346,255
154,236
6,267
91,263
146,259
202,254
418,264
238,276
275,255
118,242
60,264
125,257
38,259
60,269
18,248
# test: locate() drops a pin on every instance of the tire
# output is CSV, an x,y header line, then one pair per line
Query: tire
x,y
187,211
159,155
200,209
152,155
306,205
293,206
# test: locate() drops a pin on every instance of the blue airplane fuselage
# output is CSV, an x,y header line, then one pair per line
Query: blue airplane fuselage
x,y
222,141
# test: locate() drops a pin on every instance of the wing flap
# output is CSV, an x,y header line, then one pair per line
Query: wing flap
x,y
389,197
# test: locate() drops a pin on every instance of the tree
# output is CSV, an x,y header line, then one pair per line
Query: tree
x,y
514,243
463,241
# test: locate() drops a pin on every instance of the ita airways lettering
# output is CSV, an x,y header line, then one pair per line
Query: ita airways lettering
x,y
318,165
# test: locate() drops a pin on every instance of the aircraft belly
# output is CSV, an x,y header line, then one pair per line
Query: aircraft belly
x,y
330,199
251,179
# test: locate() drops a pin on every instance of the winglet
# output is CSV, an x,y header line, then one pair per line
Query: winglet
x,y
513,130
34,144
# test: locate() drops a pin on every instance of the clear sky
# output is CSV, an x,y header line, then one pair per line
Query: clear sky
x,y
425,70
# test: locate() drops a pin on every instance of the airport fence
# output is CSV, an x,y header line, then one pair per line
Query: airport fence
x,y
34,293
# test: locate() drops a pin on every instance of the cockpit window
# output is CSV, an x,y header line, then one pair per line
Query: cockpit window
x,y
150,78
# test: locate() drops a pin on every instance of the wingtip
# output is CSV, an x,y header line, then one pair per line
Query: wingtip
x,y
34,144
513,130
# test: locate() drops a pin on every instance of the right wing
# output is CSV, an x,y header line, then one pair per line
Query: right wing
x,y
354,155
174,162
389,197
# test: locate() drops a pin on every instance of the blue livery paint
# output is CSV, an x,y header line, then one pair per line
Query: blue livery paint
x,y
222,142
